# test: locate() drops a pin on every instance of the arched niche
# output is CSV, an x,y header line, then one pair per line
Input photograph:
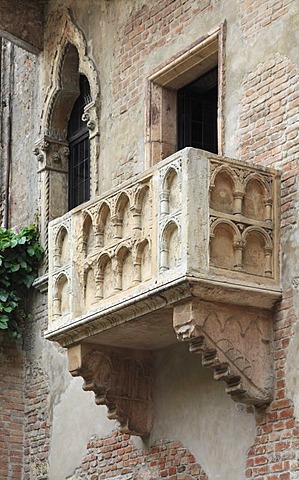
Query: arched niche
x,y
124,223
171,247
90,288
105,277
66,94
104,225
69,60
222,192
88,234
171,195
126,267
62,296
62,248
144,206
144,261
257,253
222,253
255,198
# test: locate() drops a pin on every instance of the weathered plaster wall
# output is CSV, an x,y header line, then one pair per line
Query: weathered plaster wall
x,y
194,409
22,75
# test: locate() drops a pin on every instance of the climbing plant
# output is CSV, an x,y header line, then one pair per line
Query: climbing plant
x,y
20,255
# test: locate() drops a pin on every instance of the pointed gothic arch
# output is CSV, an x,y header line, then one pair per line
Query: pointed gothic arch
x,y
70,61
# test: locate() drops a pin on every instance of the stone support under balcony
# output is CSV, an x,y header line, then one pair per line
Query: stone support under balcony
x,y
232,340
121,379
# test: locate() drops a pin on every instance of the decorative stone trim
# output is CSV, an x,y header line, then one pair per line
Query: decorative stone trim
x,y
51,149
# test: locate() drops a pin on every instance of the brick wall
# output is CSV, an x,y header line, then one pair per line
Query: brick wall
x,y
148,29
116,457
274,455
11,409
36,398
269,136
257,14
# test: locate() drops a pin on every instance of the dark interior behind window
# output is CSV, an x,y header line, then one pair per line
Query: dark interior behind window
x,y
197,113
79,160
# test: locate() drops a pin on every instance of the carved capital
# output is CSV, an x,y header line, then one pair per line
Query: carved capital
x,y
40,149
121,379
52,152
235,342
91,118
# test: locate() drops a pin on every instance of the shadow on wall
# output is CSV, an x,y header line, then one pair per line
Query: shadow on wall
x,y
193,408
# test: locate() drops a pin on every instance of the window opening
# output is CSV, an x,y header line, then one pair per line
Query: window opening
x,y
79,159
197,113
186,99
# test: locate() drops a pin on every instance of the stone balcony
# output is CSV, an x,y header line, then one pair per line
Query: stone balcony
x,y
187,251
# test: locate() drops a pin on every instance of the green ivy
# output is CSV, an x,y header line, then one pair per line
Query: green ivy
x,y
20,255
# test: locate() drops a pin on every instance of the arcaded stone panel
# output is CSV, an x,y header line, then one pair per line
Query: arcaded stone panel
x,y
116,457
255,15
11,409
244,219
22,23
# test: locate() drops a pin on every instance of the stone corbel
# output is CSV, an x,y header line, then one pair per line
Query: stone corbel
x,y
121,379
235,342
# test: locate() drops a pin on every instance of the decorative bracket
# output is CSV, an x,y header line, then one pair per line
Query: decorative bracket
x,y
121,379
235,342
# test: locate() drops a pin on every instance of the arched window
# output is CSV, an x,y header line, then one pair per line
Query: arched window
x,y
79,159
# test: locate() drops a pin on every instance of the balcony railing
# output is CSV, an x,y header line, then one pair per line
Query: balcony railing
x,y
195,217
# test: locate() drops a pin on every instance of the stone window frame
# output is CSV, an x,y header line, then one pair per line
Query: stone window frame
x,y
51,148
163,84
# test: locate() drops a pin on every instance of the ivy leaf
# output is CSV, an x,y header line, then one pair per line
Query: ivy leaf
x,y
19,259
28,280
30,251
3,295
22,240
15,267
8,309
13,242
3,322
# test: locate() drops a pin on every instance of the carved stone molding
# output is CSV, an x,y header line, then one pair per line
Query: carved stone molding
x,y
52,156
235,342
121,379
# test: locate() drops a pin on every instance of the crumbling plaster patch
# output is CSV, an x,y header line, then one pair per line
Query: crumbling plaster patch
x,y
75,420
